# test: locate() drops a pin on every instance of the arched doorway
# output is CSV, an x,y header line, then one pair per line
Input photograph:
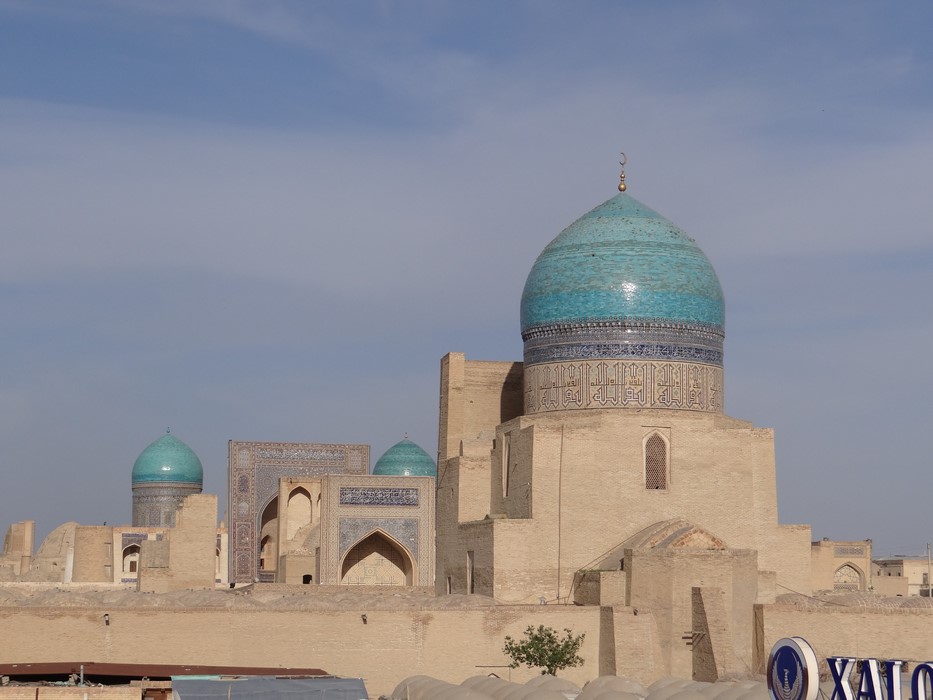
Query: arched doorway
x,y
376,560
131,559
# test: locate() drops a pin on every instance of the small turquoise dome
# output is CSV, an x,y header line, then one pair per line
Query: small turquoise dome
x,y
168,459
405,458
622,260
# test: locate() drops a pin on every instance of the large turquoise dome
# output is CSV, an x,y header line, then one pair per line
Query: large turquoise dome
x,y
168,459
622,260
622,281
405,458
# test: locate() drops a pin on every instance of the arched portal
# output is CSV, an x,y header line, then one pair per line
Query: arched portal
x,y
376,560
131,559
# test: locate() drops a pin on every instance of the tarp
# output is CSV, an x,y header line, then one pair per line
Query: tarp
x,y
268,688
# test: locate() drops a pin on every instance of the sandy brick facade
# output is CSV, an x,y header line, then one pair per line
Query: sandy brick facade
x,y
839,630
391,645
841,566
122,692
528,504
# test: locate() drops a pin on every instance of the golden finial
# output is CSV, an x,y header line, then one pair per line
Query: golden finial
x,y
622,173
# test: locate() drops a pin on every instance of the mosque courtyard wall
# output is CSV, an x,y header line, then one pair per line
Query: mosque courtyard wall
x,y
436,638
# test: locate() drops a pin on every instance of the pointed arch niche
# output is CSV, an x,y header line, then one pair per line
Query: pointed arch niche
x,y
377,560
298,512
268,537
848,577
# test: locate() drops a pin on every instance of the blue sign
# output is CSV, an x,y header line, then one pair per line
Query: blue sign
x,y
793,674
792,671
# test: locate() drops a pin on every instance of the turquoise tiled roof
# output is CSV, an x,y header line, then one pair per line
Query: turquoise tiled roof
x,y
168,459
622,260
405,458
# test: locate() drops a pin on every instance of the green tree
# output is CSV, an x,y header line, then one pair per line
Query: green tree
x,y
543,648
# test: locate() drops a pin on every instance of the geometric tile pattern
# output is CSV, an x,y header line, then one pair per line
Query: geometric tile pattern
x,y
254,470
155,504
403,530
623,339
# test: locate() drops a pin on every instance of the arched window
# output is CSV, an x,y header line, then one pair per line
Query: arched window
x,y
847,578
655,463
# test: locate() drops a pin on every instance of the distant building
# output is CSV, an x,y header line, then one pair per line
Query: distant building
x,y
311,513
910,575
841,566
164,474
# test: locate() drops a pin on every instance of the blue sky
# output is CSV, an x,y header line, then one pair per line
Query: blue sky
x,y
269,220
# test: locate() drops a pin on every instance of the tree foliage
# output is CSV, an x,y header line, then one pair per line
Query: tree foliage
x,y
543,648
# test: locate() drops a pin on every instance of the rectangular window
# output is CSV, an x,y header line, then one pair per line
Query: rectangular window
x,y
506,456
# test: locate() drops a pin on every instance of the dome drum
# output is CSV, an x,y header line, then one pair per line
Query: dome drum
x,y
623,339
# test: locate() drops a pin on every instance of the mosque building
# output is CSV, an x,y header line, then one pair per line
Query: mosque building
x,y
604,462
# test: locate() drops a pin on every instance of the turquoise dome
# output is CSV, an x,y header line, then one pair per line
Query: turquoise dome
x,y
168,459
622,260
622,281
405,458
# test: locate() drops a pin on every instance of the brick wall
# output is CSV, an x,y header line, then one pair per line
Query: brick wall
x,y
393,644
75,693
848,631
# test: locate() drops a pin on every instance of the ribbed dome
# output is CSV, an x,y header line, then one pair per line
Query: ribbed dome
x,y
168,459
622,261
405,458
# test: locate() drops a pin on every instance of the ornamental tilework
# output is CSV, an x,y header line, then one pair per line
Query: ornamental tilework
x,y
155,506
403,530
623,384
623,339
128,538
254,472
370,496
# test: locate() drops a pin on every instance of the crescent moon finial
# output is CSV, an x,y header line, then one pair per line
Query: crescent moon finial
x,y
622,186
